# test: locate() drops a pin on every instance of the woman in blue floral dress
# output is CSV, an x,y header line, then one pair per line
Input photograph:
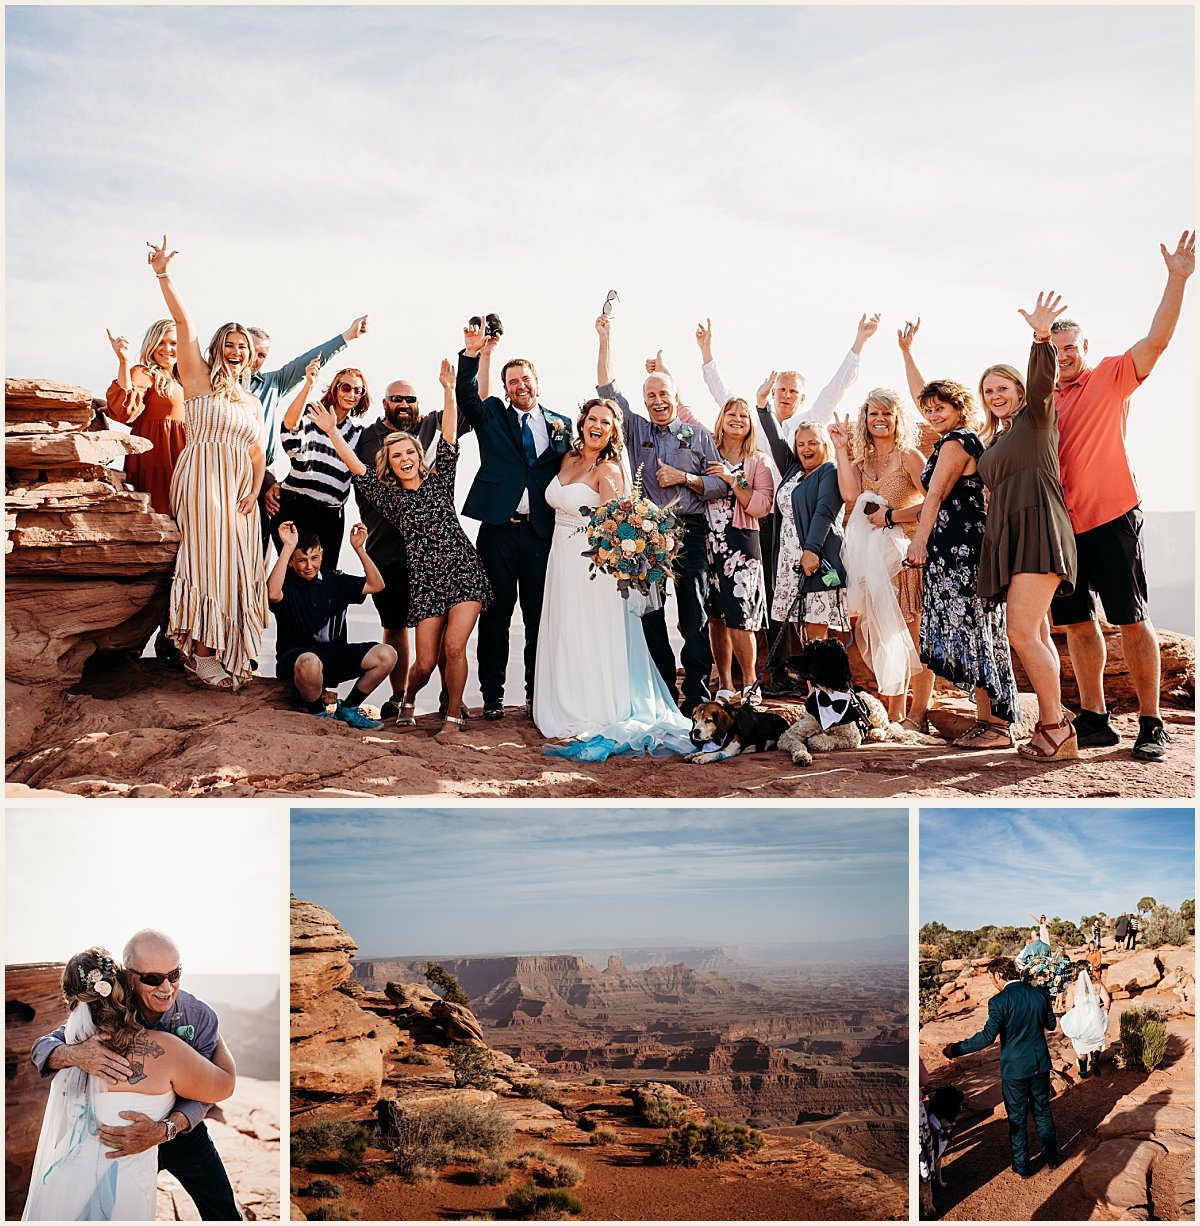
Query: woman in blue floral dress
x,y
963,638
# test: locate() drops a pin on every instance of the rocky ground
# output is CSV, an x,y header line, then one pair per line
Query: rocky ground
x,y
135,728
1127,1138
351,1048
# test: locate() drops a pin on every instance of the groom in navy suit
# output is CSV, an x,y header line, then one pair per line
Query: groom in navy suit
x,y
521,445
1019,1015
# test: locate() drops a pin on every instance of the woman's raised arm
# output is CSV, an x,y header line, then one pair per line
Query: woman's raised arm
x,y
326,420
447,377
191,365
295,410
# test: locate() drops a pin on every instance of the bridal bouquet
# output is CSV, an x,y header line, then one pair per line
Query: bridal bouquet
x,y
634,540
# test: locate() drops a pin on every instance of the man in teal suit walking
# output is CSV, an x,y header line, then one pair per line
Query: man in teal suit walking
x,y
1019,1015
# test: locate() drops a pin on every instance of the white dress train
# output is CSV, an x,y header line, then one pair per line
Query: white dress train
x,y
1086,1022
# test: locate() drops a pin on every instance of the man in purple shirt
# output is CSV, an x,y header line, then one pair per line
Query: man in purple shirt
x,y
152,970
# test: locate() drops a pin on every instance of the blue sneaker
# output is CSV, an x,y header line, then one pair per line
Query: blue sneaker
x,y
355,718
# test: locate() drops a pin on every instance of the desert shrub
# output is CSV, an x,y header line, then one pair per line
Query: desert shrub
x,y
563,1174
1165,927
473,1066
323,1188
490,1171
598,1081
440,977
659,1109
333,1213
603,1136
324,1134
417,1057
714,1140
421,1139
528,1202
1187,912
1143,1039
353,1148
530,1157
929,1001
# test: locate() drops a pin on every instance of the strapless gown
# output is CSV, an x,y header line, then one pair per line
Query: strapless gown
x,y
72,1179
594,683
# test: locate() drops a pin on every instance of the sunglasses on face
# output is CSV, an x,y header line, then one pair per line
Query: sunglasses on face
x,y
152,979
607,308
401,399
349,390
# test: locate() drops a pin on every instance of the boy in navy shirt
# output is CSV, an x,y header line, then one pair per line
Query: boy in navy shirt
x,y
310,611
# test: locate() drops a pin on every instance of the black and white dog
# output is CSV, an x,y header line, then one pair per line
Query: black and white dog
x,y
941,1112
721,730
838,714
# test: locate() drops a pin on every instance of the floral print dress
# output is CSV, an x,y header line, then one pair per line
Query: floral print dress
x,y
962,639
736,589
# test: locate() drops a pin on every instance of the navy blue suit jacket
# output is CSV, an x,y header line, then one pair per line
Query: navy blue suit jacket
x,y
1018,1015
504,470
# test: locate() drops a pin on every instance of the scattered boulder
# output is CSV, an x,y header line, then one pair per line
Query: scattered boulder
x,y
1117,1176
1139,971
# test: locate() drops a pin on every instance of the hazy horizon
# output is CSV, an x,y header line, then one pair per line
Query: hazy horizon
x,y
501,878
997,866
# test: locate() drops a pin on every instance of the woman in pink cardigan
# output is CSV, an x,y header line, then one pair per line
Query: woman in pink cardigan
x,y
737,598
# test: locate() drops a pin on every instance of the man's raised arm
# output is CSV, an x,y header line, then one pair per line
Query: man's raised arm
x,y
290,373
1181,263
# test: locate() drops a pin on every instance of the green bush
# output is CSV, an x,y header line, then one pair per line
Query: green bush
x,y
530,1157
528,1202
490,1171
324,1188
1143,1039
603,1136
1187,912
561,1174
1165,927
473,1066
659,1109
421,1139
324,1134
353,1149
929,1002
333,1213
440,977
715,1140
417,1057
598,1081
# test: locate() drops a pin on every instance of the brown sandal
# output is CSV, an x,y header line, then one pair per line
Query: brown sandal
x,y
986,734
1067,747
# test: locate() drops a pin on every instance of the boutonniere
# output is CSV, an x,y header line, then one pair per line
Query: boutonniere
x,y
685,434
186,1033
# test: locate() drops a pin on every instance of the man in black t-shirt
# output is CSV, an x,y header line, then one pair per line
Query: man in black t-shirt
x,y
310,612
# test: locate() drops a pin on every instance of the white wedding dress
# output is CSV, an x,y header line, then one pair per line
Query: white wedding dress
x,y
72,1180
1086,1022
594,682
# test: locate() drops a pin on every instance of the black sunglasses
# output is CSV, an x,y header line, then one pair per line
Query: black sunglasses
x,y
606,309
401,399
152,979
349,389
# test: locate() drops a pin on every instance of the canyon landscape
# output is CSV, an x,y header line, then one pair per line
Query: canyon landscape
x,y
810,1060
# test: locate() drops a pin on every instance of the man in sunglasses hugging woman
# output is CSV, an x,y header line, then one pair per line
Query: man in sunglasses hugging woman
x,y
151,971
314,493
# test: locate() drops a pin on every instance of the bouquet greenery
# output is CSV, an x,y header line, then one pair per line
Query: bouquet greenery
x,y
634,540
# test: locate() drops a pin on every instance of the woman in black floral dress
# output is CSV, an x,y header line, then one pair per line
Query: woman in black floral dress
x,y
962,638
447,583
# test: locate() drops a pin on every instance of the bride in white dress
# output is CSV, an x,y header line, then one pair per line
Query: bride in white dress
x,y
72,1180
594,683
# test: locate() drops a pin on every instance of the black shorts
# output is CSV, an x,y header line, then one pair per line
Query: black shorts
x,y
1111,566
392,603
341,661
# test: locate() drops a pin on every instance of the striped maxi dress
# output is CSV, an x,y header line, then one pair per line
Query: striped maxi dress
x,y
219,592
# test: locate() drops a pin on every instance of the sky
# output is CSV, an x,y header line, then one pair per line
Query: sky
x,y
209,876
779,169
527,880
996,866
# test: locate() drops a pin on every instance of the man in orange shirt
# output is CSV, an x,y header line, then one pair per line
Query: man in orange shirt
x,y
1103,503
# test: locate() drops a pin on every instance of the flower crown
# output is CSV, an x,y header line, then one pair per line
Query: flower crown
x,y
100,978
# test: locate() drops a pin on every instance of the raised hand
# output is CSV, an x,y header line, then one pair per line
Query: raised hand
x,y
358,537
447,374
473,336
357,328
656,365
289,535
311,371
704,338
868,325
839,431
1049,307
120,346
158,257
324,419
906,335
1182,261
602,325
765,388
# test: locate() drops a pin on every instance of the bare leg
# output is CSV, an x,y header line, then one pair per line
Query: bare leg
x,y
459,624
1027,604
398,640
1088,657
722,650
429,644
308,676
377,664
922,682
745,649
815,631
1142,658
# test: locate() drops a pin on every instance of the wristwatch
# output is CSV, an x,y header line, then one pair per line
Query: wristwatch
x,y
172,1129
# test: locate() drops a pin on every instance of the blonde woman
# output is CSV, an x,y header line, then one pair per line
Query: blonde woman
x,y
148,398
218,608
878,455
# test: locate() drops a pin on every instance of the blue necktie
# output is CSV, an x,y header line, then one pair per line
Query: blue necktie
x,y
527,439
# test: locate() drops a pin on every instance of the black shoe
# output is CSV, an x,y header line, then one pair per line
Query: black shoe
x,y
778,685
1053,1161
1083,1066
1025,1172
1095,1064
1095,731
493,712
390,709
1152,740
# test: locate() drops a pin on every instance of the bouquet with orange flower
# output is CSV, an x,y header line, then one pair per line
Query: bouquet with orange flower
x,y
634,540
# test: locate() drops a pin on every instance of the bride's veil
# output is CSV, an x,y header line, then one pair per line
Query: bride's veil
x,y
56,1187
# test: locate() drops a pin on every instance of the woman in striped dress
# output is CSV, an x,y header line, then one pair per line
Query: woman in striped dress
x,y
218,609
314,493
